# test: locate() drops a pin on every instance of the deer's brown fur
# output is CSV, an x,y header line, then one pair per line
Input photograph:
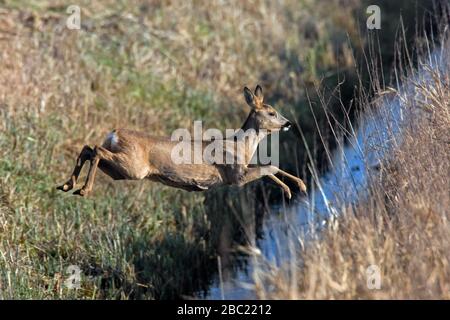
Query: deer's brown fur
x,y
133,155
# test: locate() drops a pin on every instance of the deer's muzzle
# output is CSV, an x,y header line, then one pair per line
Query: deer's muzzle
x,y
286,126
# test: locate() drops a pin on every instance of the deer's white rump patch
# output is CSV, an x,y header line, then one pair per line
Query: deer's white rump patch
x,y
111,141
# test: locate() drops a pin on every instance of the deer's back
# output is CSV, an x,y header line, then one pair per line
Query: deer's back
x,y
151,157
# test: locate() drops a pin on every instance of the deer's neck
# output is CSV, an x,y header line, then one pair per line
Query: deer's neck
x,y
249,137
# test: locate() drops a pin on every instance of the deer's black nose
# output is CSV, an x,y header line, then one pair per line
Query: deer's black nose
x,y
286,126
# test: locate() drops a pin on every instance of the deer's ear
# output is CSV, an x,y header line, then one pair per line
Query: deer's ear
x,y
259,93
249,97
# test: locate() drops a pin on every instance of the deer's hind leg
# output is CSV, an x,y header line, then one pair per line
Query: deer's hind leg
x,y
85,155
99,154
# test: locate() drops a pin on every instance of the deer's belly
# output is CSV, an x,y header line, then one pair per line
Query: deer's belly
x,y
188,177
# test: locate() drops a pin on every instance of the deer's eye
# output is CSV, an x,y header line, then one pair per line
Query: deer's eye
x,y
272,114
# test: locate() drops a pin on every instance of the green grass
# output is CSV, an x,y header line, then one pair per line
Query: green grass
x,y
129,233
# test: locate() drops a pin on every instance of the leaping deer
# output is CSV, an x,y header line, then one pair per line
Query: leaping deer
x,y
132,155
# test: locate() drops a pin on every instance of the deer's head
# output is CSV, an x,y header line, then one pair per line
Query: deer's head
x,y
264,116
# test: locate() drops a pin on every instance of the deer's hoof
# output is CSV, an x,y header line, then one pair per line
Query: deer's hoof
x,y
302,187
288,193
65,187
81,192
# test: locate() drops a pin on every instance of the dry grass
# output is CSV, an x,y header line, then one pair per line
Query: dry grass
x,y
403,226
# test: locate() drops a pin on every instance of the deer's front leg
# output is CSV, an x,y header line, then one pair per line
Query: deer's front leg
x,y
299,181
254,173
282,185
